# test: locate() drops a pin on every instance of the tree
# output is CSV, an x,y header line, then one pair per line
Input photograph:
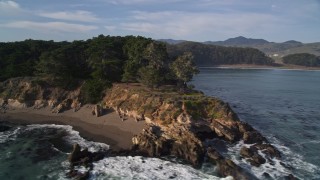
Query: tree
x,y
150,77
302,59
134,49
184,68
105,58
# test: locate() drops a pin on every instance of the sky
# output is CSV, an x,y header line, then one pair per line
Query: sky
x,y
194,20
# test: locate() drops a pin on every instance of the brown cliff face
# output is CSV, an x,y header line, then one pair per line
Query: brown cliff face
x,y
180,123
30,92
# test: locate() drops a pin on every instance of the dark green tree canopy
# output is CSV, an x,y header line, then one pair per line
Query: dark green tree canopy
x,y
98,62
302,59
184,68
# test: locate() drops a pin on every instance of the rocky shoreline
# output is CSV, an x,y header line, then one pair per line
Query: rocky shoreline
x,y
178,124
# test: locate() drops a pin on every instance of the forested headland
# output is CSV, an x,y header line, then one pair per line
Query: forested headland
x,y
98,62
211,55
302,59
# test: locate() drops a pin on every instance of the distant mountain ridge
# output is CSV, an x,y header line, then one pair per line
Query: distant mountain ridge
x,y
271,49
238,41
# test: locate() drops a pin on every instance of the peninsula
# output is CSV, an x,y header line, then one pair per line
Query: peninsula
x,y
129,93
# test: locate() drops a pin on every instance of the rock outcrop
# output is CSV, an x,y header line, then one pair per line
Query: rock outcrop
x,y
177,124
180,124
226,167
97,110
83,158
27,92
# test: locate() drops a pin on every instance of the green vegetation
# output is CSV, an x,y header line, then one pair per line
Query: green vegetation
x,y
210,55
96,63
302,59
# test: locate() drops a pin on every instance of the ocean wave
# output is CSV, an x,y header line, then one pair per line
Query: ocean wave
x,y
73,137
9,135
291,163
145,168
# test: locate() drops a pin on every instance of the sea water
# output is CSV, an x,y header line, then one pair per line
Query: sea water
x,y
282,105
41,151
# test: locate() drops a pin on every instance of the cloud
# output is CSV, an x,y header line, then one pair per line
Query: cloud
x,y
51,26
110,28
9,5
84,16
132,2
9,8
183,24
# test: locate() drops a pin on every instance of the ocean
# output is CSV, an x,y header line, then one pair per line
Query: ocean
x,y
282,104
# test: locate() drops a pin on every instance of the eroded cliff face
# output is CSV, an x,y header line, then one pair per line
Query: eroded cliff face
x,y
30,92
180,124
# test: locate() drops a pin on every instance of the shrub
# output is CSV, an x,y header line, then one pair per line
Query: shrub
x,y
92,90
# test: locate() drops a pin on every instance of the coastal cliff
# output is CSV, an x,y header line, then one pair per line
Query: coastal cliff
x,y
179,124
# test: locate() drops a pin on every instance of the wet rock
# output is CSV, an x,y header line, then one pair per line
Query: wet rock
x,y
266,175
84,157
75,154
244,127
252,155
247,152
251,137
190,151
224,131
269,150
226,167
178,142
214,154
290,177
74,174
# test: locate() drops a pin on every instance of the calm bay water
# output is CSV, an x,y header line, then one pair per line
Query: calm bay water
x,y
282,104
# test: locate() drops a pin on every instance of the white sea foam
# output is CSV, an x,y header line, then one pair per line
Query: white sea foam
x,y
276,170
145,168
9,135
73,137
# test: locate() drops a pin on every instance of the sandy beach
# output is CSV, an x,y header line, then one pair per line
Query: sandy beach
x,y
109,128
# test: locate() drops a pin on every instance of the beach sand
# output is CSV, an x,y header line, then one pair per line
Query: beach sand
x,y
109,128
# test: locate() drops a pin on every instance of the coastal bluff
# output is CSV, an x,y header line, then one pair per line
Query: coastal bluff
x,y
180,124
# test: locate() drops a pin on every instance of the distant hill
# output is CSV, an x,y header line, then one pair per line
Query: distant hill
x,y
211,55
171,41
272,49
302,59
239,41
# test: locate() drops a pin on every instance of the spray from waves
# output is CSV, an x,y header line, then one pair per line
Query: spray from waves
x,y
9,135
72,137
116,167
145,168
291,163
301,168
